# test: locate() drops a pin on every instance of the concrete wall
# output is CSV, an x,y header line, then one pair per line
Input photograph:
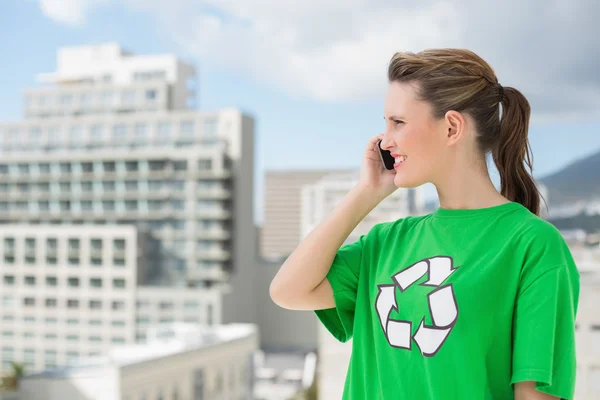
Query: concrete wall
x,y
239,303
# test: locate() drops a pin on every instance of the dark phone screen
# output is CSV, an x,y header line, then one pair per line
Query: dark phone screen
x,y
386,157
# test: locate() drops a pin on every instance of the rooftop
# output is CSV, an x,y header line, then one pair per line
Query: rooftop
x,y
163,340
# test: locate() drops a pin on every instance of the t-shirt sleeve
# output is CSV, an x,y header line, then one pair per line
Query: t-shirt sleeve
x,y
343,277
544,331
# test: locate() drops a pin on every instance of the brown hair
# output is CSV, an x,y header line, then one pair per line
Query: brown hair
x,y
460,80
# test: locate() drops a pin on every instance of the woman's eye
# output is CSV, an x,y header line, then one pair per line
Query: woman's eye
x,y
398,122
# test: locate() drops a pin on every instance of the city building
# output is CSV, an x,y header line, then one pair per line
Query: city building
x,y
281,231
111,138
68,292
180,361
318,200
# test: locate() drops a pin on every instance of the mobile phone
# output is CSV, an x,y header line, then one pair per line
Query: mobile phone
x,y
386,157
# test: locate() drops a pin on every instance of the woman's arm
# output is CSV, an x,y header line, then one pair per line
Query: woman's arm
x,y
526,391
300,283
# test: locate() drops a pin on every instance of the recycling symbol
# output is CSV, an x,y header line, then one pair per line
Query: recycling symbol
x,y
442,306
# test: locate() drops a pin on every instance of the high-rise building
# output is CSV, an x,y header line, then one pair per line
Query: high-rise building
x,y
111,139
70,292
281,231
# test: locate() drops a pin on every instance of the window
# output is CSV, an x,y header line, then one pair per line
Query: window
x,y
108,205
163,132
75,136
95,304
86,187
87,167
51,303
119,283
65,187
9,280
72,338
156,165
96,282
141,133
131,205
73,282
131,166
23,169
118,244
96,133
131,186
30,281
205,165
165,305
72,303
51,281
118,305
210,128
120,133
44,168
186,129
109,186
150,94
50,321
86,205
65,168
109,166
29,301
180,165
177,204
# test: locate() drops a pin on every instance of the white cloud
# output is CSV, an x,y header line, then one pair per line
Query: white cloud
x,y
338,50
70,12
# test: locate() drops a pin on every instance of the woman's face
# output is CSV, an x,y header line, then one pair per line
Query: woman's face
x,y
414,135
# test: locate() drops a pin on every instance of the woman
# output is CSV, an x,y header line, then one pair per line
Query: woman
x,y
476,300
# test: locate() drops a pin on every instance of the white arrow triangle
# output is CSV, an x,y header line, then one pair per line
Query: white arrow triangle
x,y
440,268
429,339
386,300
443,306
410,275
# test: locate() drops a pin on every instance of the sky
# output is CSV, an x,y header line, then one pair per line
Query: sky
x,y
313,72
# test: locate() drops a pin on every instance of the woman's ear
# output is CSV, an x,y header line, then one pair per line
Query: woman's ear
x,y
455,126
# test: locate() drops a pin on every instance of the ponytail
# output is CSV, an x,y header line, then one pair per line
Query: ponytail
x,y
512,154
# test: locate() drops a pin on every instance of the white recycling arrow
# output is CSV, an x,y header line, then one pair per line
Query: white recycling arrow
x,y
440,268
442,306
444,313
386,300
410,275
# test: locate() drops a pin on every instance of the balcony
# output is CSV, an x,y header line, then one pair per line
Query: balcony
x,y
214,234
213,214
214,254
221,174
215,193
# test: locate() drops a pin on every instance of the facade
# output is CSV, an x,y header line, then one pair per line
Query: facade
x,y
281,231
111,142
68,292
180,361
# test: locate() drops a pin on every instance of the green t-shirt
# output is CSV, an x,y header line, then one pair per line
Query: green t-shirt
x,y
457,304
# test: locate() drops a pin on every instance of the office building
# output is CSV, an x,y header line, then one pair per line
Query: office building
x,y
68,292
111,138
281,231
